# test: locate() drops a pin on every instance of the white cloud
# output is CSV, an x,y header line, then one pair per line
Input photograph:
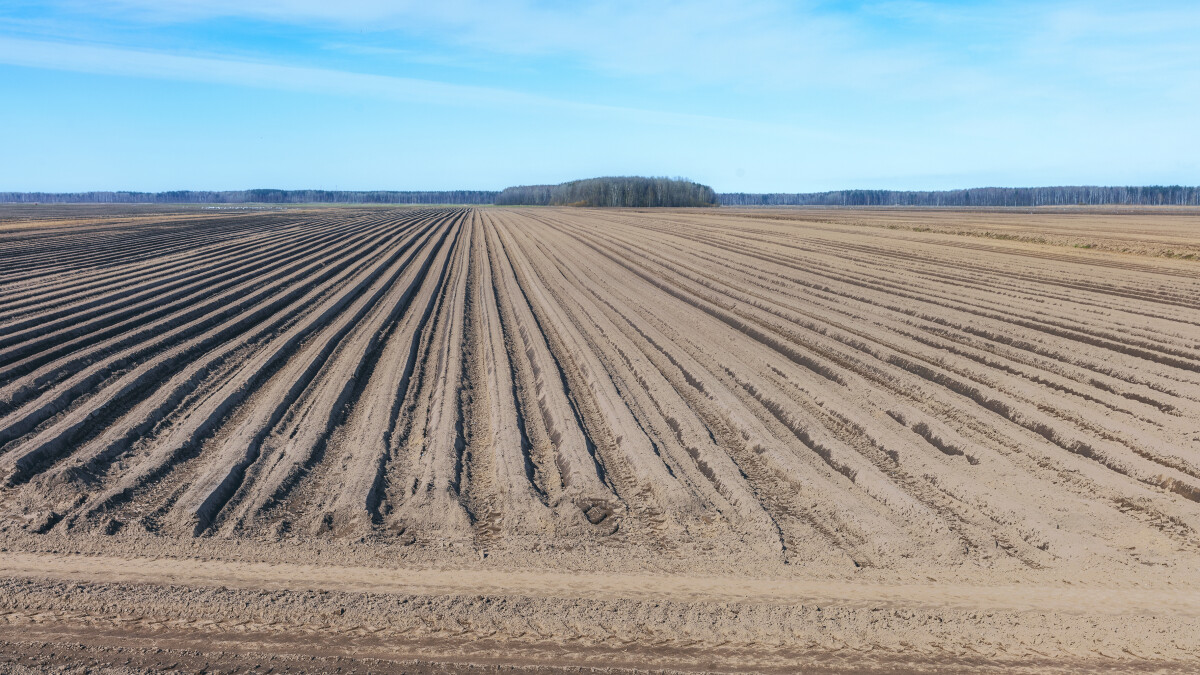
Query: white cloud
x,y
766,42
134,63
126,62
896,87
908,49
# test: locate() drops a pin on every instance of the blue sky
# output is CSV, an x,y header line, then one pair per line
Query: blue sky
x,y
757,96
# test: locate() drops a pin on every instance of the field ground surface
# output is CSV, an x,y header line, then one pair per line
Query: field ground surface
x,y
542,440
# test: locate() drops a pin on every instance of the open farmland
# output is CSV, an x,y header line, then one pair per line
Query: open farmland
x,y
729,439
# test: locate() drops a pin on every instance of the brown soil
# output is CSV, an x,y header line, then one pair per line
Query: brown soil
x,y
432,440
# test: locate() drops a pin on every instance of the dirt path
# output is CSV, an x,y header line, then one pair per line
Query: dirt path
x,y
569,585
246,614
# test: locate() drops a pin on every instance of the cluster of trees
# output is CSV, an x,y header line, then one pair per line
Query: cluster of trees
x,y
612,191
640,191
1040,196
265,196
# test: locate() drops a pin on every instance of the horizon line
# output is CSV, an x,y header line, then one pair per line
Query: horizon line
x,y
737,192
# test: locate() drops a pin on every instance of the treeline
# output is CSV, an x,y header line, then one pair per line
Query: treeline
x,y
1151,195
612,191
639,191
262,196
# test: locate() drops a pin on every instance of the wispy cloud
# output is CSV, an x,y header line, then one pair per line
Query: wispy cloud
x,y
932,50
126,62
803,91
441,58
769,42
105,60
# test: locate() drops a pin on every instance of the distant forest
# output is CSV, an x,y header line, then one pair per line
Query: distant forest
x,y
1040,196
255,196
637,191
612,191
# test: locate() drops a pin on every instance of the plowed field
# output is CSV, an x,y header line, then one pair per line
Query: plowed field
x,y
707,440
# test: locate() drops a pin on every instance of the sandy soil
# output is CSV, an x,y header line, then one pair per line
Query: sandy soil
x,y
432,440
1168,231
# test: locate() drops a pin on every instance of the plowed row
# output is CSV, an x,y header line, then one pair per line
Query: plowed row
x,y
818,393
348,439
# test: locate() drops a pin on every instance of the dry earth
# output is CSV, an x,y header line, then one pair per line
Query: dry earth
x,y
1168,231
533,440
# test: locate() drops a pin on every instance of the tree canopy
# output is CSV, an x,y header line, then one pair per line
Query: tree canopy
x,y
640,191
1062,195
612,191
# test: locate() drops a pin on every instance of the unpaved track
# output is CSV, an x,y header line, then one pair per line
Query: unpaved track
x,y
599,586
678,417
